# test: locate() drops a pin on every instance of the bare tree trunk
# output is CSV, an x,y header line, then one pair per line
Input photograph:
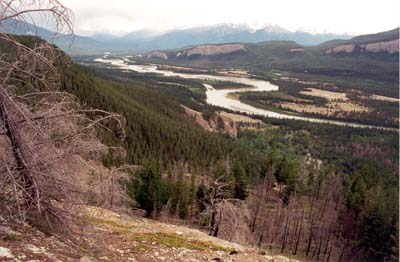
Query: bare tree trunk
x,y
255,216
261,236
319,247
277,226
329,254
342,252
294,232
25,180
310,238
217,196
234,230
299,233
213,211
285,232
327,245
260,203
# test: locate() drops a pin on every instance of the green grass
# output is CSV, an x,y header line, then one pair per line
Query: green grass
x,y
177,241
111,223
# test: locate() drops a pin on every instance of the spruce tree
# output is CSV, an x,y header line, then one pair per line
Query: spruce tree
x,y
148,192
239,185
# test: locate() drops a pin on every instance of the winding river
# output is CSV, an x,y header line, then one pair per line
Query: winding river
x,y
220,97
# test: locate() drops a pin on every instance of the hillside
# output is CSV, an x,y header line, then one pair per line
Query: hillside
x,y
156,124
106,235
79,182
370,56
384,42
111,236
263,49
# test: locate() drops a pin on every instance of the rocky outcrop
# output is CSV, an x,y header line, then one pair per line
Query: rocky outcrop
x,y
157,54
206,50
384,46
217,122
223,125
297,50
341,49
389,46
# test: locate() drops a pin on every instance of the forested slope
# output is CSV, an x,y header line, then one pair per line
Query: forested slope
x,y
316,191
156,125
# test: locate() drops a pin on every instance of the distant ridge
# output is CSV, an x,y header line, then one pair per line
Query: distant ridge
x,y
385,42
68,43
144,40
374,56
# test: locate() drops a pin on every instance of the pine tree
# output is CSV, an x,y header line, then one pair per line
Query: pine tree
x,y
239,186
169,186
183,209
355,197
219,172
148,192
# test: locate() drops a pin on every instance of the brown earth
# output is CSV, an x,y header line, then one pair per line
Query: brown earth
x,y
331,109
325,94
110,236
217,123
385,98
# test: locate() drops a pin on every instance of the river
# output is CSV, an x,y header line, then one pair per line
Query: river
x,y
220,98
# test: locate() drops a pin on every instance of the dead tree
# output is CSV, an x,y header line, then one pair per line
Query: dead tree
x,y
216,205
260,198
41,128
299,232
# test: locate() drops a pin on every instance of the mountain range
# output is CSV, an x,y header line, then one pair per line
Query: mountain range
x,y
383,42
146,40
217,34
373,55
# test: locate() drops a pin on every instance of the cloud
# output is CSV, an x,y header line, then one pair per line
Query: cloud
x,y
340,16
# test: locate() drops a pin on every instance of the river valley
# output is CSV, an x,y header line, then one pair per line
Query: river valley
x,y
220,97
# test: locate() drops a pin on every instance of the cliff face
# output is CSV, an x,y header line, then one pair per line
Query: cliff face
x,y
389,46
223,125
217,122
384,46
206,50
342,48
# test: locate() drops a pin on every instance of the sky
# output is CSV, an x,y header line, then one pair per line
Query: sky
x,y
340,16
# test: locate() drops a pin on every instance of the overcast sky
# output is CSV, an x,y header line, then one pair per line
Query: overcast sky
x,y
339,16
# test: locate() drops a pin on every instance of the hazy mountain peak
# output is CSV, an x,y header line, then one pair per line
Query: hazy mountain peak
x,y
275,29
143,33
146,40
103,37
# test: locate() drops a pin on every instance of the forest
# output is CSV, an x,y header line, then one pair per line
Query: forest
x,y
329,184
314,191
